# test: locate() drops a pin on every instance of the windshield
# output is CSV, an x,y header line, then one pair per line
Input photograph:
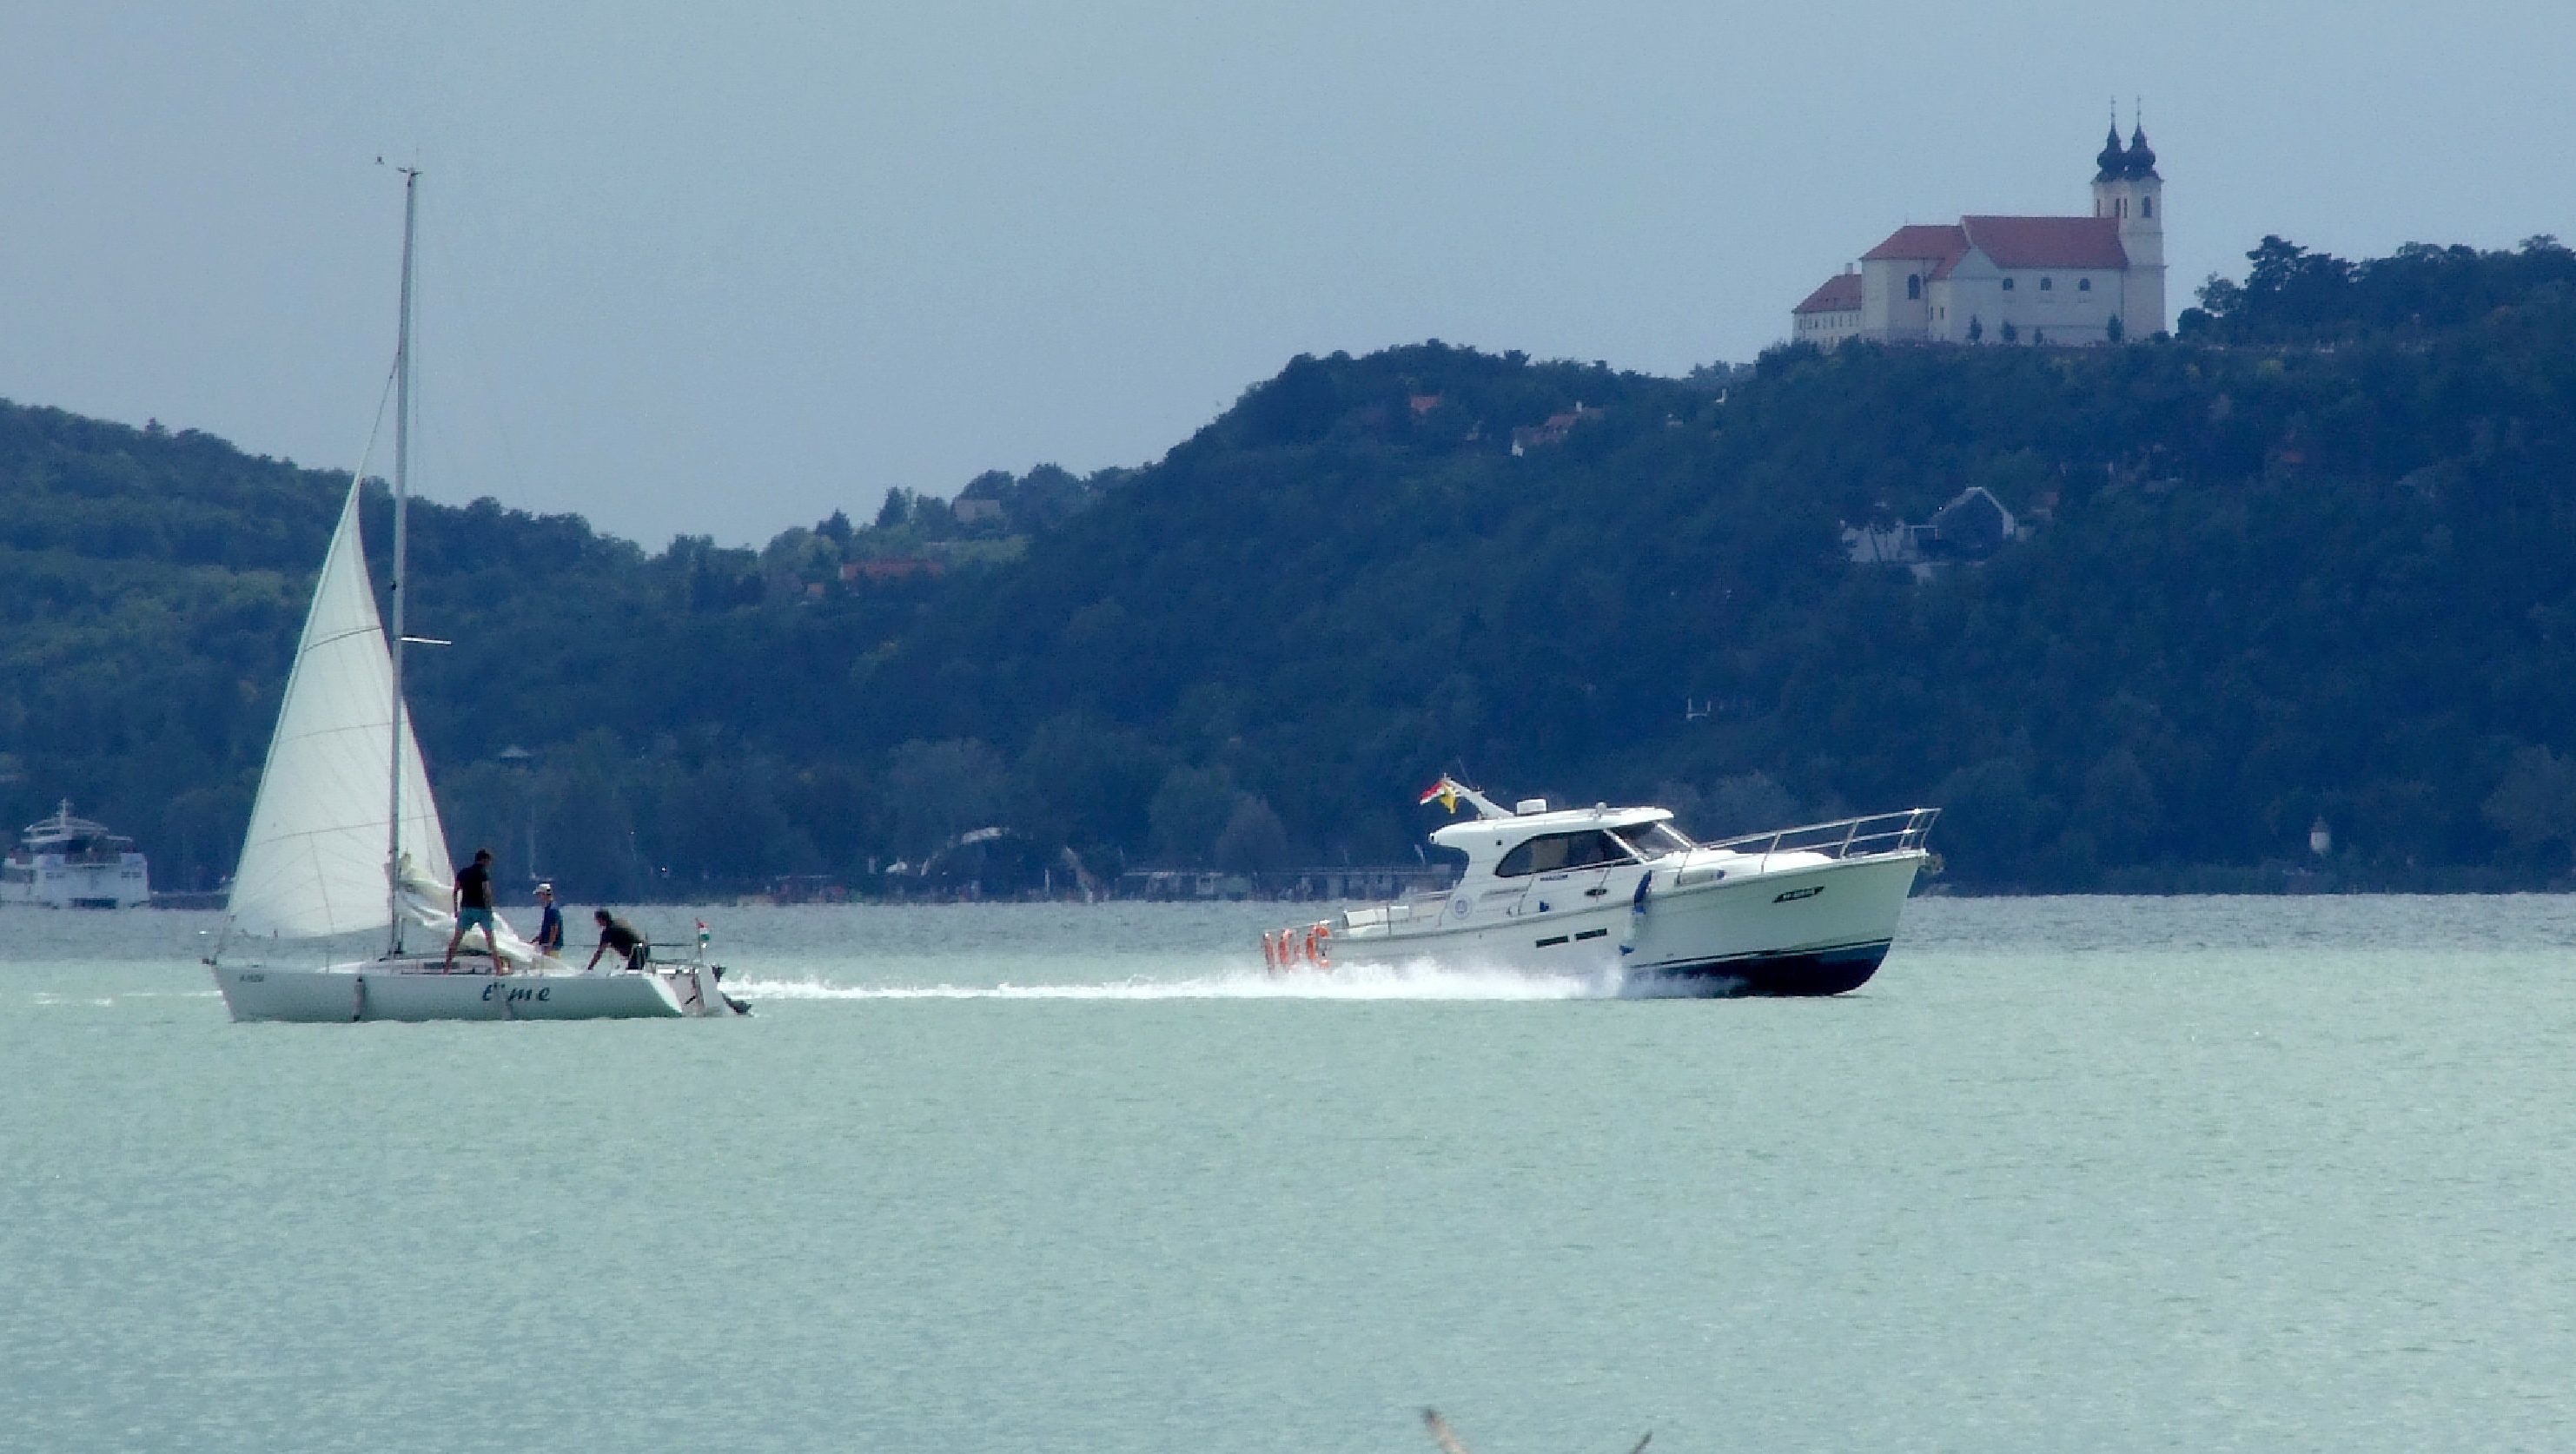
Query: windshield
x,y
1654,840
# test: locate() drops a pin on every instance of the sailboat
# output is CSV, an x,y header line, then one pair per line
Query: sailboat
x,y
345,839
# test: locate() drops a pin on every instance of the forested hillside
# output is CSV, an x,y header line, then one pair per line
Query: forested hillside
x,y
2310,559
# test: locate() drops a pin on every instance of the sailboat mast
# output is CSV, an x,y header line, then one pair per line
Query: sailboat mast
x,y
402,492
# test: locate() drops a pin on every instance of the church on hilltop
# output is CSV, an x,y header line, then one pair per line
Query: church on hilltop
x,y
2058,280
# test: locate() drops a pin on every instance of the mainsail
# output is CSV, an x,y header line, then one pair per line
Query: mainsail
x,y
313,863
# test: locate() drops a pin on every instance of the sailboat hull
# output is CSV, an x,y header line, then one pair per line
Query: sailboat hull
x,y
403,990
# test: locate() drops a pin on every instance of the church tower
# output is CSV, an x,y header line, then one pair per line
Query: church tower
x,y
2128,188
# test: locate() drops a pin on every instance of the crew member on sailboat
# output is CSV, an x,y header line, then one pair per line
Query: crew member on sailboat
x,y
550,935
615,933
472,905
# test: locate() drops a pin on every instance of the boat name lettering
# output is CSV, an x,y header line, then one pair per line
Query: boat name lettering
x,y
250,979
517,995
1809,892
1510,893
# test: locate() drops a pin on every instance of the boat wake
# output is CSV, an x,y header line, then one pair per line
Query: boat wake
x,y
113,999
1421,981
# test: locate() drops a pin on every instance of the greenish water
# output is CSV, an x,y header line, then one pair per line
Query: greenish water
x,y
2074,1173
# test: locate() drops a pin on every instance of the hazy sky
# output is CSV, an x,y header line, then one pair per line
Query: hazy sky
x,y
722,268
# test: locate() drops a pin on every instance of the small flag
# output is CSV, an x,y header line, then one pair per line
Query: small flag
x,y
1444,790
703,935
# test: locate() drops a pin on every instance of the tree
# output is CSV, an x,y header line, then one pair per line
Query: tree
x,y
1976,329
2114,330
1254,840
2534,803
1190,810
897,508
1745,803
2012,334
938,790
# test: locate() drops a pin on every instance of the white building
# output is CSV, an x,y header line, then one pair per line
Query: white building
x,y
2059,280
1830,314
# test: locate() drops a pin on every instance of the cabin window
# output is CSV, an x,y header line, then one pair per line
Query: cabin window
x,y
1556,852
1913,287
1654,840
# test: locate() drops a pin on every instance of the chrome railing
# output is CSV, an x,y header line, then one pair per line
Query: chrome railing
x,y
1864,837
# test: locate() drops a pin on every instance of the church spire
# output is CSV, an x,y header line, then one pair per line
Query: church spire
x,y
2111,161
2141,161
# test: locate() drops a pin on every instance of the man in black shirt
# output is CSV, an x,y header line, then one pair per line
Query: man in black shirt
x,y
472,902
617,934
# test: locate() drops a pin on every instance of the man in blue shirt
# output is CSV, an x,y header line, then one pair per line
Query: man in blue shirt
x,y
550,933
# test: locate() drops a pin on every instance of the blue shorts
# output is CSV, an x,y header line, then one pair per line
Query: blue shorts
x,y
473,918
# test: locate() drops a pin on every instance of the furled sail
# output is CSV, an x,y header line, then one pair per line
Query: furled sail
x,y
313,863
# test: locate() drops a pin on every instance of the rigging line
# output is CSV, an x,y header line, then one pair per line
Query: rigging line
x,y
377,429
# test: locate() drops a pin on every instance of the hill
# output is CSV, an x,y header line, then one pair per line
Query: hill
x,y
2306,561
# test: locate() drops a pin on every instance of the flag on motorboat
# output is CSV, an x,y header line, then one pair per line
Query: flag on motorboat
x,y
1444,790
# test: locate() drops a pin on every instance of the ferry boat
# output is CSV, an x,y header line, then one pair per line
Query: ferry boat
x,y
63,862
1809,910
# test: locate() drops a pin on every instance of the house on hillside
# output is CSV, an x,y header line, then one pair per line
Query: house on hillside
x,y
1535,436
1998,279
1971,526
981,500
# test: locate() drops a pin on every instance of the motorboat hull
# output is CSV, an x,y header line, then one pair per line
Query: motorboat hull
x,y
410,990
1805,973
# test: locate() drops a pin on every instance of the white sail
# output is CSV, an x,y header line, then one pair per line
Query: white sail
x,y
313,863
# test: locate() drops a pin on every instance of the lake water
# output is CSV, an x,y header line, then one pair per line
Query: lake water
x,y
2069,1174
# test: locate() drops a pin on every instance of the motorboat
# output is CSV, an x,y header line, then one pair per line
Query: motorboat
x,y
1809,910
63,862
345,839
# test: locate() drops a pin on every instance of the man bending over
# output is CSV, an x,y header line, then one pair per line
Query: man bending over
x,y
617,934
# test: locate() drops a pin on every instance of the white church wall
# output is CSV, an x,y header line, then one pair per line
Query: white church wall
x,y
2064,305
1975,286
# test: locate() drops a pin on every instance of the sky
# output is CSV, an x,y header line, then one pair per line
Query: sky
x,y
720,270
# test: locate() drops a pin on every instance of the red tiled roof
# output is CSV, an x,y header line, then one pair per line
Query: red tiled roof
x,y
1840,294
1921,240
2048,242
